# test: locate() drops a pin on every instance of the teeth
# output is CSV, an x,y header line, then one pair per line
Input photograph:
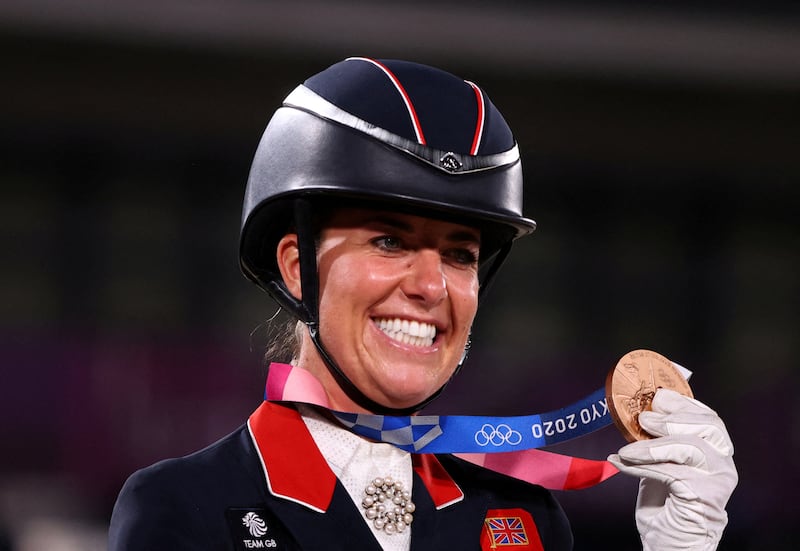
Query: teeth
x,y
408,332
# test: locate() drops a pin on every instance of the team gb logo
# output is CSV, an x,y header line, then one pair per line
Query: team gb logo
x,y
255,524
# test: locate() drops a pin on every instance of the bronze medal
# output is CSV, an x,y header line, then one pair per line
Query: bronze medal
x,y
632,384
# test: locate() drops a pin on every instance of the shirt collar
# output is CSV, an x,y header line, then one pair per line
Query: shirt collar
x,y
303,476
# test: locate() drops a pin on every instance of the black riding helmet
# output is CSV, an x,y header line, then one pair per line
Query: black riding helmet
x,y
393,134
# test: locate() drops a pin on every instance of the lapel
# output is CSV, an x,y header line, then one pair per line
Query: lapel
x,y
445,517
296,471
293,466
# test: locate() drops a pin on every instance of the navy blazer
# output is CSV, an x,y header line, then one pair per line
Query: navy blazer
x,y
267,486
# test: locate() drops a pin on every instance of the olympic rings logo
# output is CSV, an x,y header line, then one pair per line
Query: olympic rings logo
x,y
497,436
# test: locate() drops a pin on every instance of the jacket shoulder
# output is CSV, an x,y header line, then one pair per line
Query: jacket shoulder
x,y
179,503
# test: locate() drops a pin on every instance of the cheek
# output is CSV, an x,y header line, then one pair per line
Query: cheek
x,y
464,295
359,272
346,285
466,320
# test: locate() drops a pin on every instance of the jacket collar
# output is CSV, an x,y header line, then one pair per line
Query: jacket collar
x,y
303,476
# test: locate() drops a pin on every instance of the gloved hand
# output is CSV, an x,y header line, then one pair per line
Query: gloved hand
x,y
686,474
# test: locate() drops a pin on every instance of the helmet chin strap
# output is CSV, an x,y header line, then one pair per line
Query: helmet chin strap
x,y
309,280
353,392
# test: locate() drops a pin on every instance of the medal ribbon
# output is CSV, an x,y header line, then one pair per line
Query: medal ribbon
x,y
479,434
508,445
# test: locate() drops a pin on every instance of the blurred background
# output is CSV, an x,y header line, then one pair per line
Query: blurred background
x,y
660,150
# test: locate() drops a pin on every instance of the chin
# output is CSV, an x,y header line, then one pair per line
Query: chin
x,y
398,403
408,397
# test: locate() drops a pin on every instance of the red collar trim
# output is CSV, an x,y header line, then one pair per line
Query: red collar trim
x,y
443,489
304,476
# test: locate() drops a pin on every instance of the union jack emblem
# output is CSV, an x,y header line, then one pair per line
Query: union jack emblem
x,y
506,531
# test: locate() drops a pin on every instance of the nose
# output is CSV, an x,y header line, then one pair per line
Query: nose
x,y
425,280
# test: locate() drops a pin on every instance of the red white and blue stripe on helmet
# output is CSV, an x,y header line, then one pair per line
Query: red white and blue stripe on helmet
x,y
403,94
420,103
476,141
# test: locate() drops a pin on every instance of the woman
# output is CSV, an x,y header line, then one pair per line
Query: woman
x,y
382,199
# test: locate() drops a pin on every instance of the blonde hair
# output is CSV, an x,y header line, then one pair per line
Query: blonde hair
x,y
286,337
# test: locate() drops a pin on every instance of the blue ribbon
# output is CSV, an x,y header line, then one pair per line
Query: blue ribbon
x,y
481,434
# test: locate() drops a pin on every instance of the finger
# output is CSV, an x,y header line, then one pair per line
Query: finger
x,y
709,428
667,400
641,472
675,477
701,422
677,450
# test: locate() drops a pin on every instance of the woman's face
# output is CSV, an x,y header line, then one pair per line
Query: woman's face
x,y
398,294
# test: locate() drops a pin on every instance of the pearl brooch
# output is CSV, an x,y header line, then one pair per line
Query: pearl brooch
x,y
387,505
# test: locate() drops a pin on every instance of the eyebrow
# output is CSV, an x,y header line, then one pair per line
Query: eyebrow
x,y
396,223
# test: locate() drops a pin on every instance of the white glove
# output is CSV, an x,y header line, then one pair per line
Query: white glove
x,y
687,474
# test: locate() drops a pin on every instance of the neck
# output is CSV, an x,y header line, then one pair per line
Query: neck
x,y
341,392
335,398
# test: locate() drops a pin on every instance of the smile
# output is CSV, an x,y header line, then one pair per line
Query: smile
x,y
414,333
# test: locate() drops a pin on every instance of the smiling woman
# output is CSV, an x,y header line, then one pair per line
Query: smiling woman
x,y
389,137
383,197
398,294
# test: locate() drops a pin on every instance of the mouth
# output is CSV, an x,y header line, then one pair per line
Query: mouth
x,y
410,332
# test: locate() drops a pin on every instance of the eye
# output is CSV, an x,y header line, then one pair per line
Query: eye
x,y
462,256
387,243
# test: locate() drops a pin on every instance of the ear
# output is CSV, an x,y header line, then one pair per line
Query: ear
x,y
288,256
